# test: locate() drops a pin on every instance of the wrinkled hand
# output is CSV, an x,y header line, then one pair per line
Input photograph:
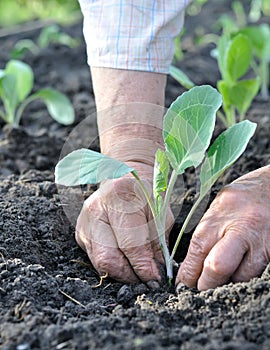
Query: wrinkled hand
x,y
116,229
232,241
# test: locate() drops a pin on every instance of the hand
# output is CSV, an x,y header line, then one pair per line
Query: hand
x,y
232,241
116,229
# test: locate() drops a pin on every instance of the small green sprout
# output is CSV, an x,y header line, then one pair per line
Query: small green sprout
x,y
48,35
187,131
234,60
16,83
53,34
22,46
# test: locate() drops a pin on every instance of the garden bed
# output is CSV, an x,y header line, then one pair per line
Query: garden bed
x,y
41,266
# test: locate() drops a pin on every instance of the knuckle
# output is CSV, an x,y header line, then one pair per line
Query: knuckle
x,y
228,195
186,275
214,266
116,267
104,264
198,246
92,201
124,188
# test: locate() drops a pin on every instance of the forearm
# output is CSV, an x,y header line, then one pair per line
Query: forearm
x,y
130,112
119,86
130,54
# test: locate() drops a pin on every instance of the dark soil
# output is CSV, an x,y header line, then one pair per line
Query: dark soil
x,y
49,298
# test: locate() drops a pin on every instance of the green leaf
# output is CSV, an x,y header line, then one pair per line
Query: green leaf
x,y
188,126
181,77
222,48
53,34
242,94
84,166
48,35
58,105
24,77
160,178
22,46
265,30
238,57
8,94
224,89
259,35
226,149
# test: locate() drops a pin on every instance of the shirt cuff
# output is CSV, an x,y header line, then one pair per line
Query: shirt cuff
x,y
132,35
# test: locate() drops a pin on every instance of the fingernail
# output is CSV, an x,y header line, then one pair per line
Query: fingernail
x,y
179,287
153,284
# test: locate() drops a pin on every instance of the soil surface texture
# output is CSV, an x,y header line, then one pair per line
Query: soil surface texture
x,y
50,297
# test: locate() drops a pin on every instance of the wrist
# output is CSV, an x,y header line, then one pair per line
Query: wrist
x,y
120,86
131,132
135,150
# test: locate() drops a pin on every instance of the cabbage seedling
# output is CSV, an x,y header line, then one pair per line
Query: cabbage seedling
x,y
259,36
234,60
53,34
48,35
16,83
187,131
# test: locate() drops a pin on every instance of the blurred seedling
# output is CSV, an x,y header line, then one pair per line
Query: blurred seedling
x,y
50,34
16,84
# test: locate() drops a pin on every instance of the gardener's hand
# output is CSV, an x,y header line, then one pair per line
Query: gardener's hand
x,y
232,241
116,229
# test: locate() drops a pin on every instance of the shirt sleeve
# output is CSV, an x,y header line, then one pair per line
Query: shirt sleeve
x,y
133,35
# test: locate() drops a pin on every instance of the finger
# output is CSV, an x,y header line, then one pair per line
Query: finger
x,y
203,239
252,265
112,262
223,260
133,238
95,236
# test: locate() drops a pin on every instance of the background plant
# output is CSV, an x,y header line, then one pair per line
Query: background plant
x,y
187,131
259,8
234,59
237,92
13,12
16,83
259,36
48,35
230,25
180,76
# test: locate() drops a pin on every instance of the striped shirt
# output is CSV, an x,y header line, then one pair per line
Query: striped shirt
x,y
133,35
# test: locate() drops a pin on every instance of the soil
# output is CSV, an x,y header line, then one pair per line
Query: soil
x,y
49,293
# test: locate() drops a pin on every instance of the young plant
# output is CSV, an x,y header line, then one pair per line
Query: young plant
x,y
234,60
22,46
187,131
259,36
16,83
48,35
231,24
53,34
